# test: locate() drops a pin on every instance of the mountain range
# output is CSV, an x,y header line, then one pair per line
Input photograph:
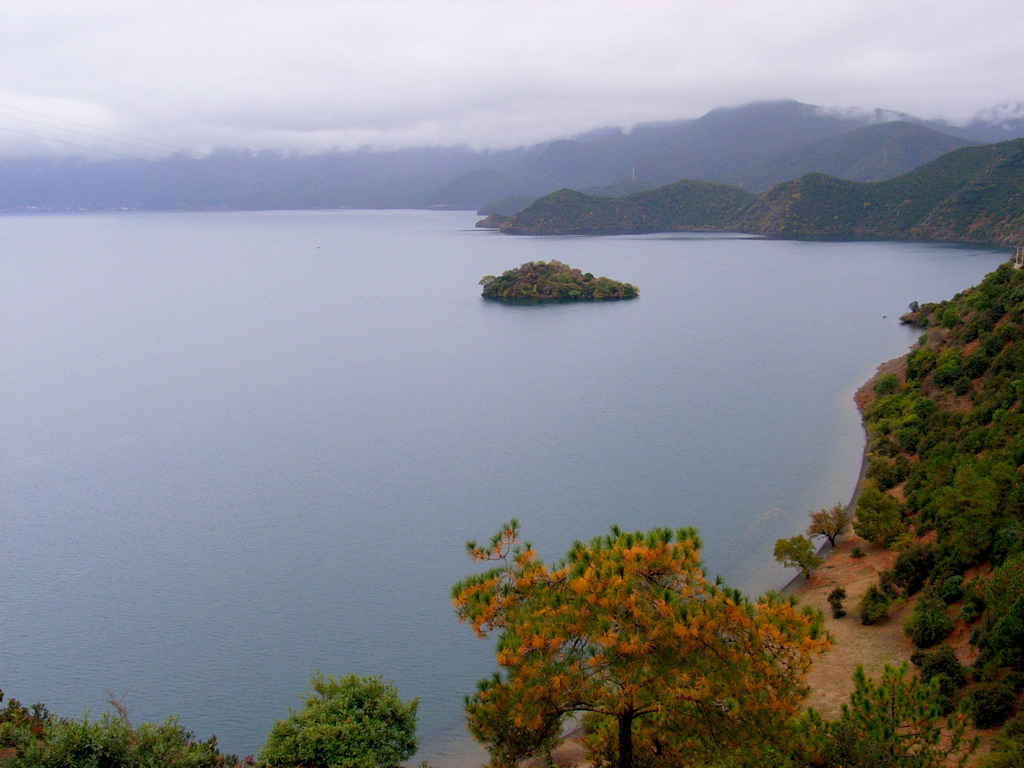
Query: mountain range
x,y
972,194
753,146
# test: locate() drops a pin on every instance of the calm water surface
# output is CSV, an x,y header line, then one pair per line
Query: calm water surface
x,y
237,448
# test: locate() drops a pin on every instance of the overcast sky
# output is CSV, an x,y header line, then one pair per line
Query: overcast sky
x,y
319,74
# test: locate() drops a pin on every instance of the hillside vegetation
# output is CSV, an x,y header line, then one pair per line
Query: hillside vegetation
x,y
537,281
872,153
685,205
973,194
945,488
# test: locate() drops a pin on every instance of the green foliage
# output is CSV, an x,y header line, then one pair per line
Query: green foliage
x,y
920,363
943,666
887,384
991,704
348,722
928,623
1008,541
1003,631
951,590
492,719
965,515
798,552
974,602
34,738
677,206
879,516
886,473
1008,752
830,522
953,435
628,628
835,601
552,280
971,194
897,722
1006,640
874,606
912,567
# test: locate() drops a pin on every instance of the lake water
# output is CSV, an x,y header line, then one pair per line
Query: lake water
x,y
237,448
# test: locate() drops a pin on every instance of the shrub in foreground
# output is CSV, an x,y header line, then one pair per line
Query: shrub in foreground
x,y
350,722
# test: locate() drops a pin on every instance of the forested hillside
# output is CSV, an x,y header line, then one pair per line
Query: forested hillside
x,y
973,194
685,205
945,487
872,153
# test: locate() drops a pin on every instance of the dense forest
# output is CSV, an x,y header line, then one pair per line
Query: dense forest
x,y
973,194
945,488
685,205
537,281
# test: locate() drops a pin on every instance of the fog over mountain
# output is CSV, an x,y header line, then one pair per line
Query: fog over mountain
x,y
341,75
756,145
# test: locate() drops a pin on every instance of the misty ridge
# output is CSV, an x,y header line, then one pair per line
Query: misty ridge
x,y
755,147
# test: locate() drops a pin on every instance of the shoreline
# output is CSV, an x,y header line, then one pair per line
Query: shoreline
x,y
830,679
794,585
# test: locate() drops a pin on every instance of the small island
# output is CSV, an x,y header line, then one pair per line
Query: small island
x,y
537,281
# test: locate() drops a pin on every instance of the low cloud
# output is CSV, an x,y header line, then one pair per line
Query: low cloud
x,y
323,75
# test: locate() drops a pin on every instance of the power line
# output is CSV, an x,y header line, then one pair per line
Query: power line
x,y
72,143
92,128
276,173
72,130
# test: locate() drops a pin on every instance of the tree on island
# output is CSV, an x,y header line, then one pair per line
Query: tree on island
x,y
628,629
554,281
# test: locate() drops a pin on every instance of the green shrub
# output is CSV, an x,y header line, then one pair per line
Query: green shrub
x,y
879,516
952,590
1006,640
1015,679
1014,727
887,384
928,623
991,704
974,602
913,566
1007,542
920,362
874,606
856,553
835,601
942,665
350,722
111,742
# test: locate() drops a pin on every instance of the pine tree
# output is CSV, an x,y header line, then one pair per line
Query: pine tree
x,y
628,628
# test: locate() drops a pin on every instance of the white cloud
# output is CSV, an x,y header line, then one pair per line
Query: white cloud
x,y
315,74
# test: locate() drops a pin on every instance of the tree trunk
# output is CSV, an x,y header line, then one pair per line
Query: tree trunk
x,y
626,740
